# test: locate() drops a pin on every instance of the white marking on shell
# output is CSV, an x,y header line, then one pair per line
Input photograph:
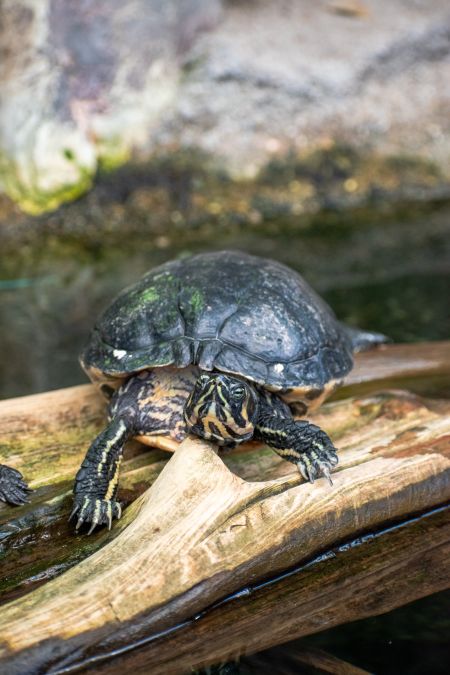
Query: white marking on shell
x,y
119,353
278,367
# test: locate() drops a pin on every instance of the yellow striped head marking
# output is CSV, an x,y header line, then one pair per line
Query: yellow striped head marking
x,y
222,408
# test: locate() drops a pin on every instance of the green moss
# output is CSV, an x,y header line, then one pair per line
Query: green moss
x,y
69,154
196,300
112,153
33,200
150,294
47,551
46,453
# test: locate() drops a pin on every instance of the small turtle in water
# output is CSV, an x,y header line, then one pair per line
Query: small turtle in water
x,y
224,345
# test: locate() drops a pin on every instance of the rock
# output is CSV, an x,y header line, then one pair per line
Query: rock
x,y
297,76
84,84
243,83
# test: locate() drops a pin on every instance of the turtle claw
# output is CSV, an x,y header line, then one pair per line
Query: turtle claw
x,y
310,473
333,459
326,473
92,528
13,489
74,511
306,470
319,459
95,512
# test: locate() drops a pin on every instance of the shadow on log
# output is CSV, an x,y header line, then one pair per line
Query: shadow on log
x,y
194,573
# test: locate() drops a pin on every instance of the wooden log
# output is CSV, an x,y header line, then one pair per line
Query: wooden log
x,y
417,367
360,578
202,531
46,437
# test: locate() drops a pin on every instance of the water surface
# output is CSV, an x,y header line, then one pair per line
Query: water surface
x,y
376,272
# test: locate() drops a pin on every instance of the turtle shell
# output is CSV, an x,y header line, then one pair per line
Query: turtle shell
x,y
226,311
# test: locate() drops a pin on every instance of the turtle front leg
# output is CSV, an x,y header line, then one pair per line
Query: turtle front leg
x,y
300,442
13,489
97,479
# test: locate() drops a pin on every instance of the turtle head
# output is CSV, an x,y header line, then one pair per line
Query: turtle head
x,y
222,408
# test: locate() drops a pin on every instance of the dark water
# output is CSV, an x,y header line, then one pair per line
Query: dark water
x,y
411,640
377,272
388,272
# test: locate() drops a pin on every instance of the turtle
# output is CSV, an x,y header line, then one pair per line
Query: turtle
x,y
224,345
13,488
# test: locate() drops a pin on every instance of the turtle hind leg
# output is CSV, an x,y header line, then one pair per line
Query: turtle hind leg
x,y
13,489
364,340
97,479
300,442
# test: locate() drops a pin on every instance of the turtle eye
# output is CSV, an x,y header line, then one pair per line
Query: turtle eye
x,y
238,393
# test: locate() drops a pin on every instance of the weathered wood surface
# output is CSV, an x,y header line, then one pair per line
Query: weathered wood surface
x,y
362,578
202,531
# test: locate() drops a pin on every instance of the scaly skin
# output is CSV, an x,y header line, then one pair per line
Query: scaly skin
x,y
13,489
97,479
300,442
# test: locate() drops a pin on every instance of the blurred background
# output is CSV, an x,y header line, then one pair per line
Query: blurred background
x,y
317,133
